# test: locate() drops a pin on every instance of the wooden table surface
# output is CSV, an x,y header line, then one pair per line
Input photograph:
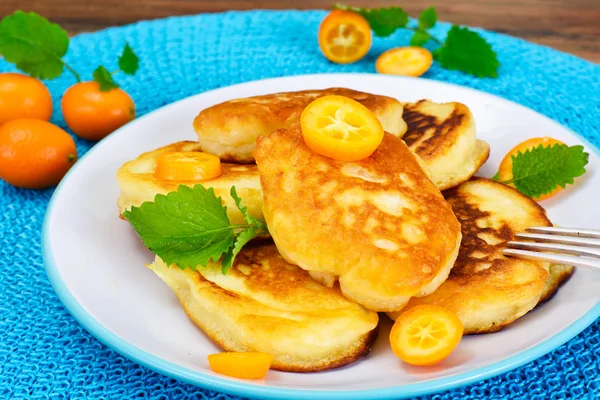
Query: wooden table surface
x,y
569,25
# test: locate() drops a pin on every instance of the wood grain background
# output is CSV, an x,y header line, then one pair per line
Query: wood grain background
x,y
568,25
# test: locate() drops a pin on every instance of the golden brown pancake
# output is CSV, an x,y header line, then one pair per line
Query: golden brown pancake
x,y
486,289
138,184
378,224
559,274
265,304
443,136
229,130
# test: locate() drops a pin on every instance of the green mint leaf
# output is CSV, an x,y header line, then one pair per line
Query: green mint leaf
x,y
466,51
240,241
128,62
383,21
34,44
496,177
258,224
540,170
419,38
104,79
188,227
428,18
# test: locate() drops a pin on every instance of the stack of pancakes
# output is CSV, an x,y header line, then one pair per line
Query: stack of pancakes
x,y
408,225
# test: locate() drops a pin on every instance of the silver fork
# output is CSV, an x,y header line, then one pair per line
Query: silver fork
x,y
576,247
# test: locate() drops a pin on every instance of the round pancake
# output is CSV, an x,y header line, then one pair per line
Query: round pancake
x,y
559,274
486,289
379,224
265,304
229,130
138,184
443,136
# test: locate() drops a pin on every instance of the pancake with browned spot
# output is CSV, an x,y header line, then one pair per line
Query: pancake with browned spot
x,y
443,136
379,224
486,289
265,304
138,184
229,130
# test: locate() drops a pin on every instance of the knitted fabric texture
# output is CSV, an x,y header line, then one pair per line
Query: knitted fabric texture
x,y
46,354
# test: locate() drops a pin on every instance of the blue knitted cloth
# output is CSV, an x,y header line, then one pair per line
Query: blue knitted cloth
x,y
45,353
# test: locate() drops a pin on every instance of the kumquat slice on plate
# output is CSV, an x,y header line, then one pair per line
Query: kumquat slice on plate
x,y
250,365
425,335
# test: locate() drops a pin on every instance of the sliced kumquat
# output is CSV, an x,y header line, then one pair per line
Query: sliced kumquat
x,y
344,37
407,61
187,166
505,170
425,335
340,128
251,365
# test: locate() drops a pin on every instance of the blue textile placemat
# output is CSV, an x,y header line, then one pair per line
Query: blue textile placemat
x,y
46,354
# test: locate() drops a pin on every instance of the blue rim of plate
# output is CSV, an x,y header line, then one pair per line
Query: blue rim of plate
x,y
240,388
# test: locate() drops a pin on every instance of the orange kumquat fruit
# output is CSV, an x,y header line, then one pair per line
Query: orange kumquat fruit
x,y
34,154
22,96
344,37
93,114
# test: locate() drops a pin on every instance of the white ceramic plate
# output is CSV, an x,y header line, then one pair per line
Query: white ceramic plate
x,y
96,263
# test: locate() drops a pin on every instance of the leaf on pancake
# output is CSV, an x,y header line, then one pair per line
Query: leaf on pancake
x,y
257,223
188,227
240,240
540,170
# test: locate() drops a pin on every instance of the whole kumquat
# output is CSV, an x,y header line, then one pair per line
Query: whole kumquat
x,y
22,96
34,154
425,335
93,114
505,170
344,37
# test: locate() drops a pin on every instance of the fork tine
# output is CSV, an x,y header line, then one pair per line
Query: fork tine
x,y
557,248
551,230
576,241
553,258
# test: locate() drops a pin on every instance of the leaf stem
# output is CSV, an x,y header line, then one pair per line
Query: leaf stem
x,y
77,77
425,32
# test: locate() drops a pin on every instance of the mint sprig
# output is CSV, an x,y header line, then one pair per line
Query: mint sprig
x,y
190,227
37,47
541,170
463,49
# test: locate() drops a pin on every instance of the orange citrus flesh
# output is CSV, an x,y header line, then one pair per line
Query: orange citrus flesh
x,y
407,61
187,166
22,96
505,172
340,128
344,37
425,335
93,114
34,153
251,365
